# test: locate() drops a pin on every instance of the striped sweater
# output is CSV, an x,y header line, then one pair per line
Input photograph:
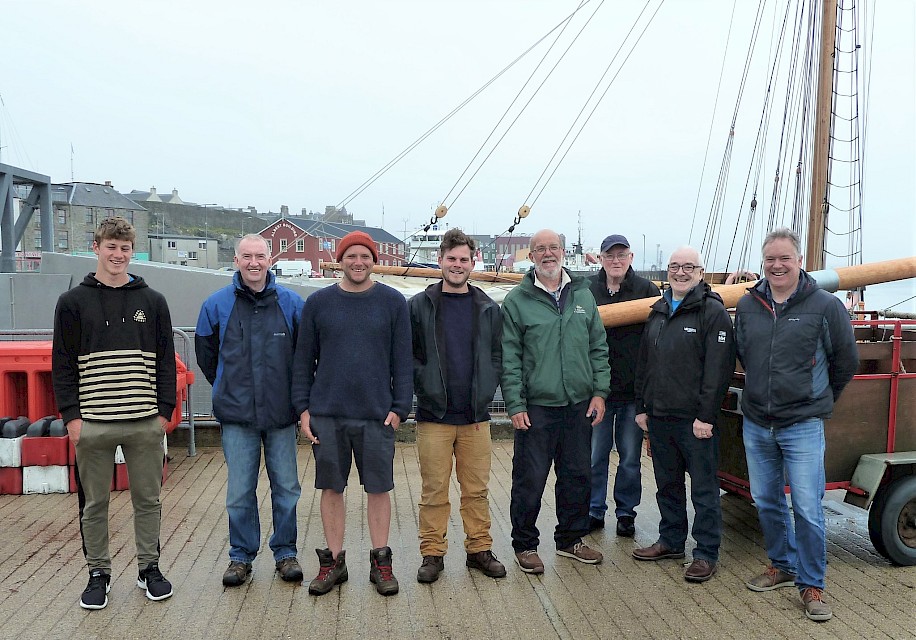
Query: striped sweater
x,y
113,357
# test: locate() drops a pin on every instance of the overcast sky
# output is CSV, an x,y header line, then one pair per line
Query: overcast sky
x,y
299,102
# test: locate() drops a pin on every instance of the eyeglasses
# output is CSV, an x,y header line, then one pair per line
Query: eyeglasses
x,y
553,248
619,257
687,268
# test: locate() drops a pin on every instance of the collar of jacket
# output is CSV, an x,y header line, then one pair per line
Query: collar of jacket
x,y
242,289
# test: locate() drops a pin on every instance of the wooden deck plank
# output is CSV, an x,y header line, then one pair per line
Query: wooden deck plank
x,y
42,572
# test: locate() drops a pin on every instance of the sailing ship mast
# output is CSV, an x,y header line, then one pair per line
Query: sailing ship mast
x,y
817,215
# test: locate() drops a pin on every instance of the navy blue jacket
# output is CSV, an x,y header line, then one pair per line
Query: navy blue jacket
x,y
797,361
244,346
622,342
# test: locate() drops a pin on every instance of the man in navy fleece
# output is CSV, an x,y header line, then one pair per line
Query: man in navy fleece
x,y
353,386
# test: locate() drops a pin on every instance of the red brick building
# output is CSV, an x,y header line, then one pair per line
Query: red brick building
x,y
290,239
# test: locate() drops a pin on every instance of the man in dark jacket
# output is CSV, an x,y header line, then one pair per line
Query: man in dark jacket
x,y
686,358
113,369
246,334
617,282
457,357
798,351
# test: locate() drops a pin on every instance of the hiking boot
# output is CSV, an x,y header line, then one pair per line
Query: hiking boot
x,y
429,570
96,594
594,524
581,552
529,561
236,574
700,570
770,579
486,563
657,551
815,607
330,572
289,569
380,573
626,526
156,586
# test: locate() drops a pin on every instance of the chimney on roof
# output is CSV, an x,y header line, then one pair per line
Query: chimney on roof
x,y
152,191
284,210
108,183
174,192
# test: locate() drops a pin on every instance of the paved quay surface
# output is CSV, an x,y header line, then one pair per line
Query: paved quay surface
x,y
42,573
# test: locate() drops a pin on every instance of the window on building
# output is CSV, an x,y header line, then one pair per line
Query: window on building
x,y
38,241
201,244
300,245
270,247
109,213
192,255
283,244
172,244
61,216
90,216
63,240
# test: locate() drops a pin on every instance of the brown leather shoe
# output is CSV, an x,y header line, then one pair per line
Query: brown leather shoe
x,y
700,570
486,562
529,561
657,551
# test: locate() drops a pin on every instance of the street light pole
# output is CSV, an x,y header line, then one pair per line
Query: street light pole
x,y
644,255
207,231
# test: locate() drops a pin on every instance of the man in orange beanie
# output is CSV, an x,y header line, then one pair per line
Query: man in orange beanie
x,y
352,387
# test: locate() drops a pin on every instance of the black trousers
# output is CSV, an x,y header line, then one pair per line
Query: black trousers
x,y
562,437
675,450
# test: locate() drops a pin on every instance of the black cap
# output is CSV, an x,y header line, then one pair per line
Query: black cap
x,y
610,241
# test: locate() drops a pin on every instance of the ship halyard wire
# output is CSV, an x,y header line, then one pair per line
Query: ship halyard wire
x,y
595,106
725,166
400,156
514,101
712,120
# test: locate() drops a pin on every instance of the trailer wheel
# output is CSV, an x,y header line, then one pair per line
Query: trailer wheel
x,y
892,521
874,521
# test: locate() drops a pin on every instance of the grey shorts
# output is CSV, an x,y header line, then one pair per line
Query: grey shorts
x,y
369,442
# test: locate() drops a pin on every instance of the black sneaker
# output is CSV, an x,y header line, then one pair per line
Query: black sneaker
x,y
626,526
151,579
380,573
96,594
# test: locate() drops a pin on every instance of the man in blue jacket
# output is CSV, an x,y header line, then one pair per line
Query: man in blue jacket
x,y
798,351
246,335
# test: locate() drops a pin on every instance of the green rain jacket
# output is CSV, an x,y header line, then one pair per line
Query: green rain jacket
x,y
553,355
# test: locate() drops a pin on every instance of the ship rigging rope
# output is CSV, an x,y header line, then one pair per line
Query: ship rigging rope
x,y
391,163
712,121
513,103
595,106
722,180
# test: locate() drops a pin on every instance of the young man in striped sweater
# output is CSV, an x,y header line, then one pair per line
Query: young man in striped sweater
x,y
113,369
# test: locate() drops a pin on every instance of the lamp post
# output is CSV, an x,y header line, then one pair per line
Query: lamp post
x,y
207,231
643,255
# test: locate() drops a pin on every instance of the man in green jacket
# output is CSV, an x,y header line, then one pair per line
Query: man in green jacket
x,y
555,381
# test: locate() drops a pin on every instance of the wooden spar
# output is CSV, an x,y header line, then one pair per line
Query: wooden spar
x,y
636,311
420,272
817,215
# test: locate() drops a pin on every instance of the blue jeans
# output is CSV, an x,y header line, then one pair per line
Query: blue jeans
x,y
794,453
619,425
676,451
242,448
